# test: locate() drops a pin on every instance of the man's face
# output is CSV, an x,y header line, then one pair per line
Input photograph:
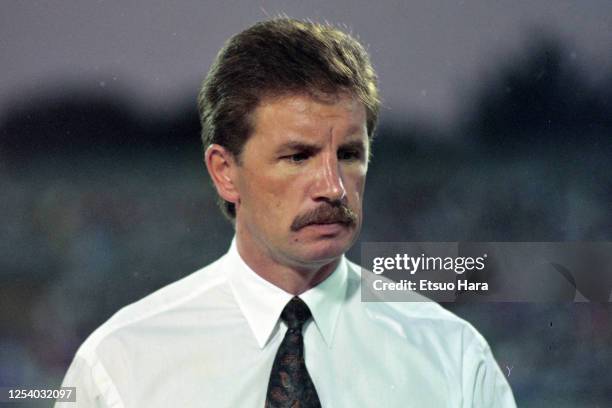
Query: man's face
x,y
301,179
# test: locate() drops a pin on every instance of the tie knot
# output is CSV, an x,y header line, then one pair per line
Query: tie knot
x,y
295,313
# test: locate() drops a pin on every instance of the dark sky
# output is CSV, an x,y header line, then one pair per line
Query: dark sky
x,y
429,53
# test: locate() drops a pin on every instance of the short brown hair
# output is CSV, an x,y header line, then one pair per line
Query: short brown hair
x,y
273,58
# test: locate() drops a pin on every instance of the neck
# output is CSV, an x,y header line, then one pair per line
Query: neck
x,y
292,277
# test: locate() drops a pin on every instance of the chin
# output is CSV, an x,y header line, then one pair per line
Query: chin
x,y
325,250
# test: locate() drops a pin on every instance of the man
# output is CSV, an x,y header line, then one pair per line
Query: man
x,y
288,111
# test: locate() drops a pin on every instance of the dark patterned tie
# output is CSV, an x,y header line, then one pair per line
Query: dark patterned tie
x,y
290,384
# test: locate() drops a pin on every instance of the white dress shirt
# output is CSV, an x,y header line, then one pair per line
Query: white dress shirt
x,y
209,340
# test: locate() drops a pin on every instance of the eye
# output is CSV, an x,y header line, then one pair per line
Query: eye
x,y
349,154
298,157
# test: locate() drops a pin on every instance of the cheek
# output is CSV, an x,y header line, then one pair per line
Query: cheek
x,y
277,195
356,185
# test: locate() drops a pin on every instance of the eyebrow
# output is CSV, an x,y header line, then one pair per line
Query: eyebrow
x,y
297,146
354,144
303,146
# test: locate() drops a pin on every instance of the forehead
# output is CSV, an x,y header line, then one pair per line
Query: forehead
x,y
310,114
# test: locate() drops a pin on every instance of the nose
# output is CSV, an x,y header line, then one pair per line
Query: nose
x,y
329,185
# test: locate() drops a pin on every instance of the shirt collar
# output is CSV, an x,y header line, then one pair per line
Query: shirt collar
x,y
261,302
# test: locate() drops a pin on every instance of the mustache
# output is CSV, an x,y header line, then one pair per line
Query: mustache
x,y
326,214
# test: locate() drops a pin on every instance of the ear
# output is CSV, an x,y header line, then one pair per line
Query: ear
x,y
221,165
